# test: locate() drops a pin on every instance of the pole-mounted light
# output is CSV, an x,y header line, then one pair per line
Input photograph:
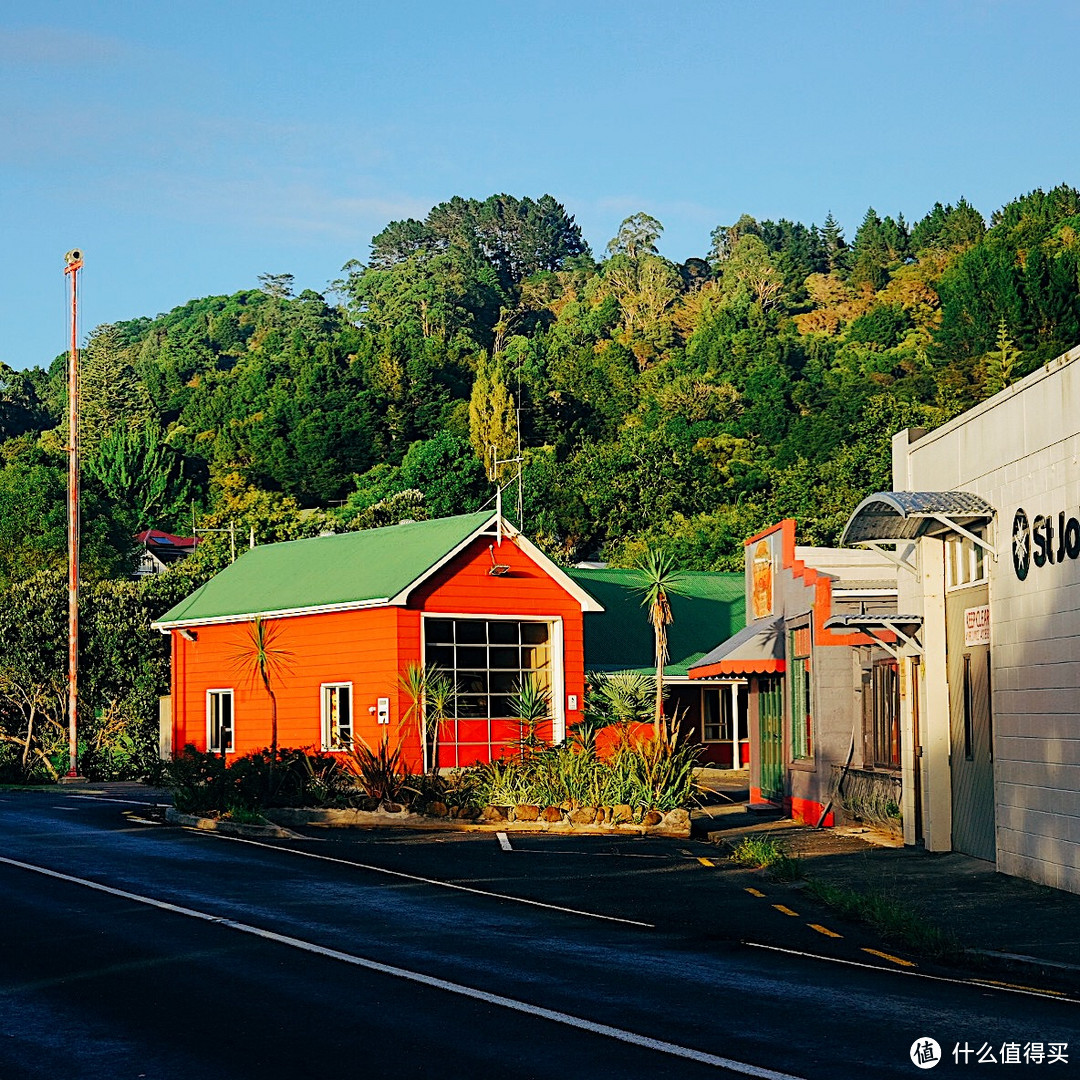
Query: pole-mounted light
x,y
73,262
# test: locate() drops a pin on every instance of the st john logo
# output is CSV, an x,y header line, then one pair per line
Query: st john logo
x,y
1047,539
1021,544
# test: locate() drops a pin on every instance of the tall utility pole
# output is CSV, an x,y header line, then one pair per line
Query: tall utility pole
x,y
73,264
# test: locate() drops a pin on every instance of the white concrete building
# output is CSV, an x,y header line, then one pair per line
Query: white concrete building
x,y
985,521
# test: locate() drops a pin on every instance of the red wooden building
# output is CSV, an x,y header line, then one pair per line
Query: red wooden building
x,y
347,613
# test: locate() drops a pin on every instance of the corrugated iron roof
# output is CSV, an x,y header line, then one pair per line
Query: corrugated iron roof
x,y
758,647
621,639
356,568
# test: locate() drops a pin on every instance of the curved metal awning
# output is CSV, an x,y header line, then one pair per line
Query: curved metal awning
x,y
907,515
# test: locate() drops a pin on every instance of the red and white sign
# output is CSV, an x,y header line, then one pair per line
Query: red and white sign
x,y
976,626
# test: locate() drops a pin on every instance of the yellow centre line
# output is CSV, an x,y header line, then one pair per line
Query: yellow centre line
x,y
755,892
891,958
1020,986
824,930
705,862
785,910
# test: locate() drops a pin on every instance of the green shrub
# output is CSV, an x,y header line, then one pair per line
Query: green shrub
x,y
202,782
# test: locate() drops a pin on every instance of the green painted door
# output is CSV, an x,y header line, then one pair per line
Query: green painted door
x,y
771,717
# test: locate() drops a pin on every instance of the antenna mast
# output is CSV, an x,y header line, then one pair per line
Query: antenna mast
x,y
73,264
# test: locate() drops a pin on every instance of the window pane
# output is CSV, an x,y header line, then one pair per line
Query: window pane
x,y
534,633
472,682
505,658
503,633
440,630
504,682
471,656
471,705
470,631
441,655
501,705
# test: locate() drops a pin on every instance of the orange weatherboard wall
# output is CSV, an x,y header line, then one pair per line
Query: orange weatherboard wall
x,y
368,648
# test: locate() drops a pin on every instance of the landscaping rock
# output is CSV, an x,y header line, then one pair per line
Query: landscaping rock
x,y
584,815
392,808
653,817
437,809
620,813
526,812
552,815
678,819
493,813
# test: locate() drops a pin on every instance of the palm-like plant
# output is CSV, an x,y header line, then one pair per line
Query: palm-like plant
x,y
531,704
660,580
431,696
260,656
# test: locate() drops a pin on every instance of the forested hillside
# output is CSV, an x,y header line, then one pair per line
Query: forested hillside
x,y
683,406
689,404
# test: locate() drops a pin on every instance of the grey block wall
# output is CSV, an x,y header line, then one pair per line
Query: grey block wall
x,y
1021,450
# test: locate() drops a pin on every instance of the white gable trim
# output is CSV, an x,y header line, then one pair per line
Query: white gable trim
x,y
489,528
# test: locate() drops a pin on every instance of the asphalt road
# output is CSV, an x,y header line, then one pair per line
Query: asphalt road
x,y
131,950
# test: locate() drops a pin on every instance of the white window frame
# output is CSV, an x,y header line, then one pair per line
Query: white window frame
x,y
966,563
324,706
558,660
211,694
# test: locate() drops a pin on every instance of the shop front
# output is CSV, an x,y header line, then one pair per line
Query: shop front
x,y
984,522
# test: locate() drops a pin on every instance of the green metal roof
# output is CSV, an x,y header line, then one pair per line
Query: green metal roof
x,y
325,571
621,639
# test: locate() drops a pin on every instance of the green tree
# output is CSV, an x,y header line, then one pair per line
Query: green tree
x,y
660,580
141,474
637,236
493,419
1000,363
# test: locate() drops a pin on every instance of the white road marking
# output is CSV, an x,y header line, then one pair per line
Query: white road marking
x,y
504,841
428,881
1053,995
566,1019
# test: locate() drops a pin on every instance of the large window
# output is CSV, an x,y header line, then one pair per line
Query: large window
x,y
802,725
337,729
219,720
488,659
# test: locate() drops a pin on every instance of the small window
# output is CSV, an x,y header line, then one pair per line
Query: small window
x,y
716,714
965,561
219,721
802,726
337,723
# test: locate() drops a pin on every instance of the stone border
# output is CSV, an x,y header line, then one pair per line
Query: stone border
x,y
227,827
492,819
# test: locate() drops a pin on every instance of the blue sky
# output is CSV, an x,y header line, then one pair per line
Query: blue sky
x,y
187,147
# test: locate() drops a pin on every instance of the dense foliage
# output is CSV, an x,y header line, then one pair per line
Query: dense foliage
x,y
682,406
